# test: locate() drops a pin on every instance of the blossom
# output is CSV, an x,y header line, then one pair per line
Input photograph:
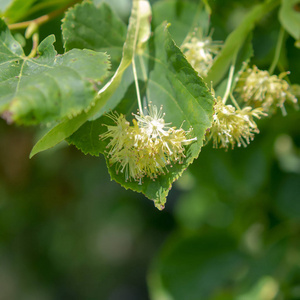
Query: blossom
x,y
145,148
153,123
259,89
117,133
233,126
200,51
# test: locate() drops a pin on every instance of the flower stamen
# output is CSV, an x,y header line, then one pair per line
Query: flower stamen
x,y
147,147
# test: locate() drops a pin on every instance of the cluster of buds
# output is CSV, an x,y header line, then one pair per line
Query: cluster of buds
x,y
145,148
200,51
233,126
259,89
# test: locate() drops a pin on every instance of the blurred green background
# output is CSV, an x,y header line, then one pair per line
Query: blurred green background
x,y
230,230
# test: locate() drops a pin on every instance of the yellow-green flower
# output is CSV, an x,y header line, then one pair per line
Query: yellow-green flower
x,y
259,89
145,148
118,133
233,126
200,51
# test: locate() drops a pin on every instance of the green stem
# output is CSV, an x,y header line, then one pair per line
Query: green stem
x,y
136,82
277,51
207,6
41,20
282,70
137,87
234,101
35,43
145,77
44,5
229,83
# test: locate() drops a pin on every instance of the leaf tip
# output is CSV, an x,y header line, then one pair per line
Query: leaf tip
x,y
32,153
159,206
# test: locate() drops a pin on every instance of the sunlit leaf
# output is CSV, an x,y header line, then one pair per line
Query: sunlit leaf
x,y
67,127
16,9
95,28
49,87
4,4
145,27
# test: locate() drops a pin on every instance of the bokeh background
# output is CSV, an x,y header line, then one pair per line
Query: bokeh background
x,y
230,229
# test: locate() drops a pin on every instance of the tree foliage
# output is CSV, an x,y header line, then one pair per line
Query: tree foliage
x,y
184,77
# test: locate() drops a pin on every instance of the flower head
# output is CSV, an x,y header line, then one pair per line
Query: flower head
x,y
233,126
145,148
200,51
259,89
153,123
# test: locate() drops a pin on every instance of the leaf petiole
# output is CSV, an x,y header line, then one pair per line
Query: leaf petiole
x,y
234,101
137,86
229,83
144,73
35,43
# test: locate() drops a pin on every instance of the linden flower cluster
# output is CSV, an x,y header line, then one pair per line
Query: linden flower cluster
x,y
147,147
260,89
200,52
233,126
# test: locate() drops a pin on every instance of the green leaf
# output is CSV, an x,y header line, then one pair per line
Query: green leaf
x,y
184,16
235,41
289,16
4,4
67,127
174,84
95,28
196,266
49,87
86,138
17,9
